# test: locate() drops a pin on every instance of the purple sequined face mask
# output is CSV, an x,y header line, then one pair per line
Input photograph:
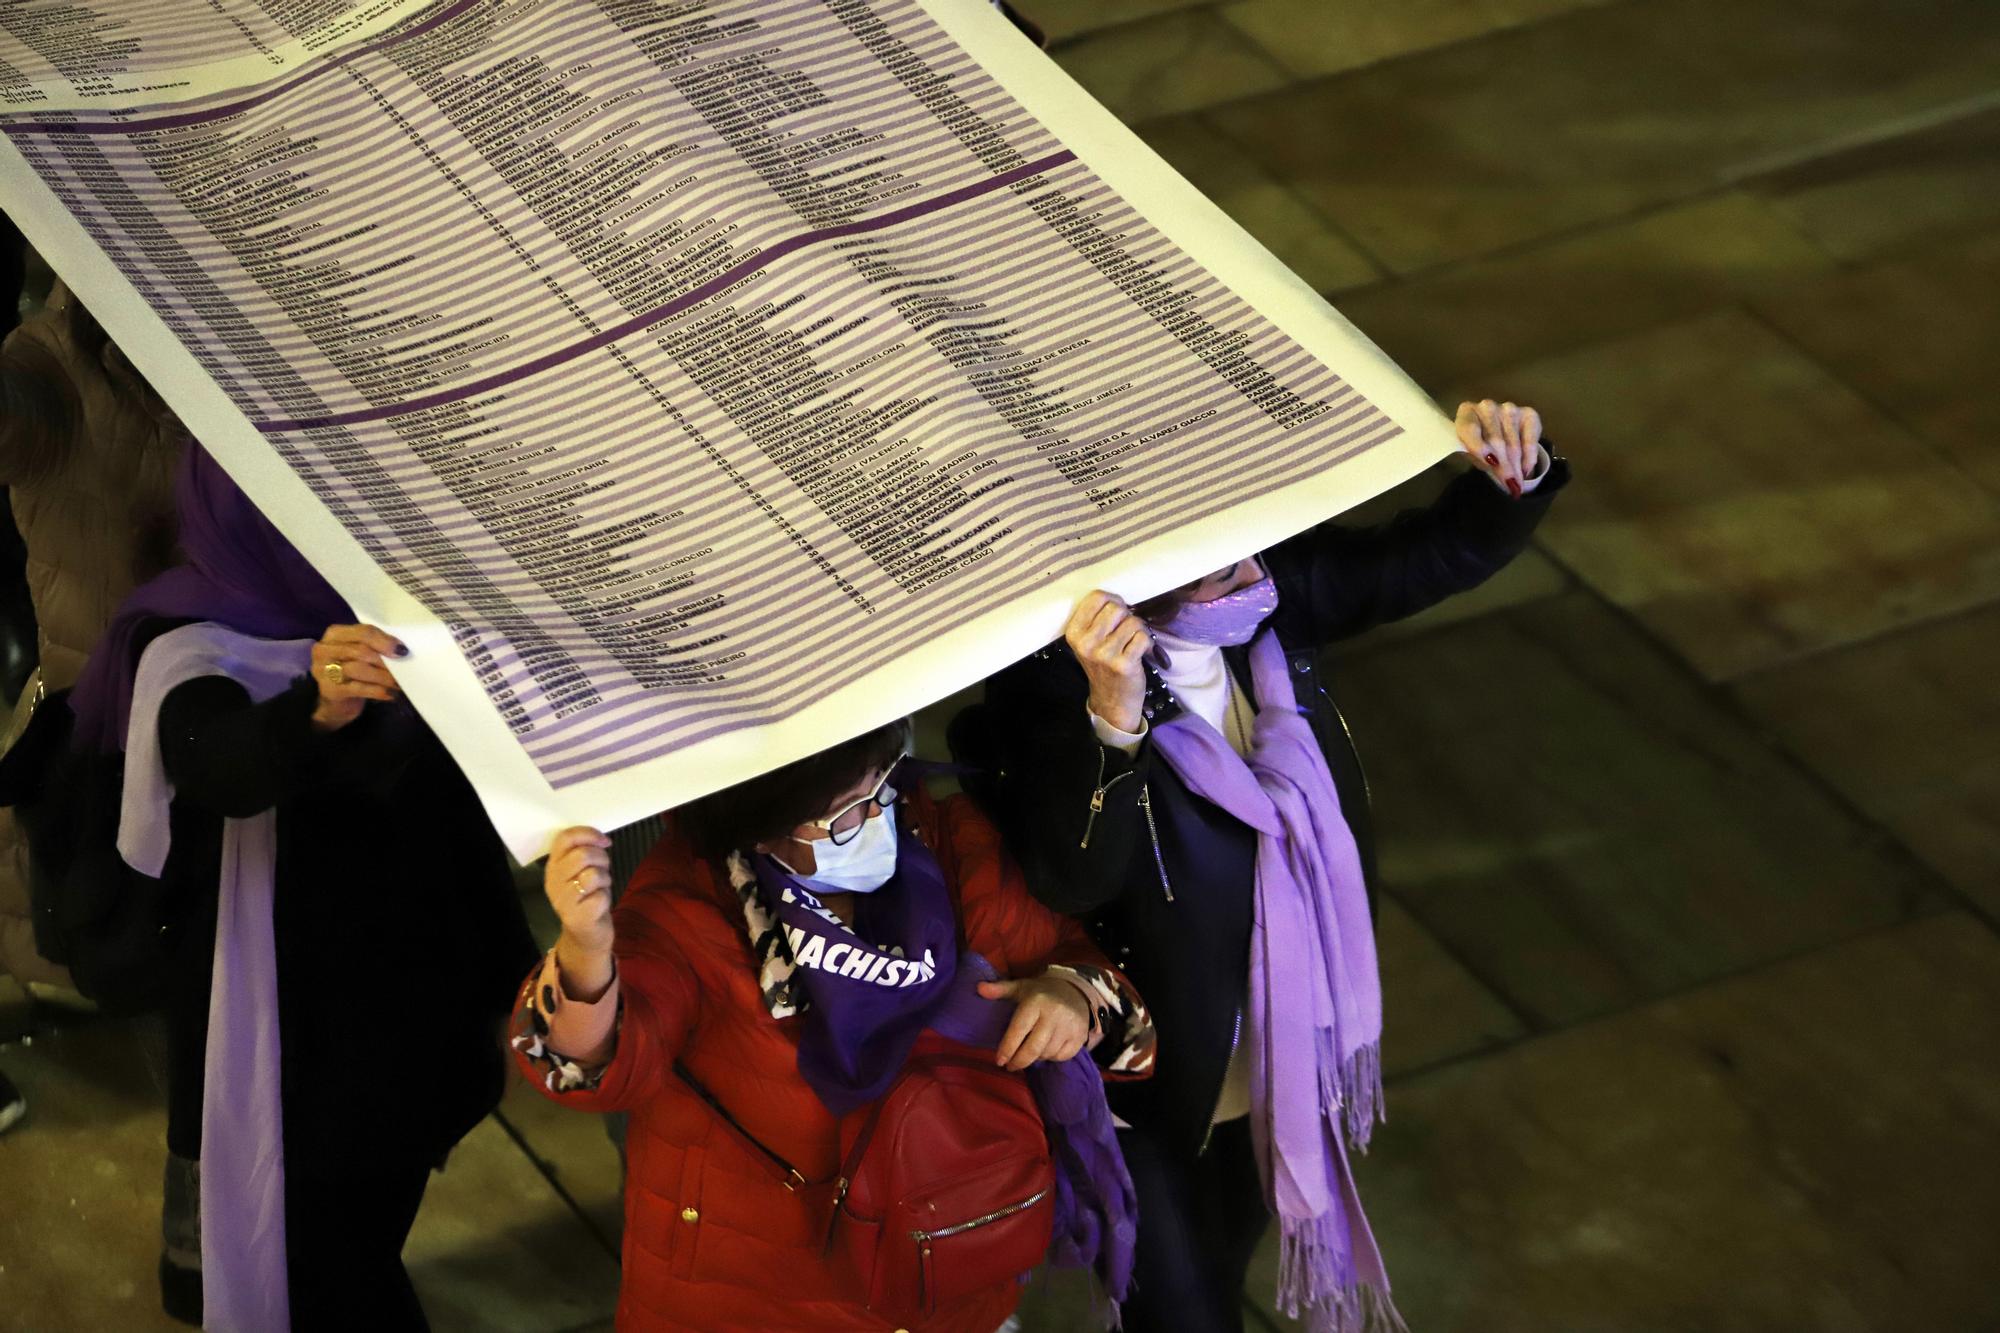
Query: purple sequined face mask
x,y
1230,619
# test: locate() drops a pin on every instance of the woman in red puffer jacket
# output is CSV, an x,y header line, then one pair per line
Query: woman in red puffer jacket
x,y
714,964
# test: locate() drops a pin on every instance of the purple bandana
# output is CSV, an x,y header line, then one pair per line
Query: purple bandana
x,y
1227,620
866,995
869,1000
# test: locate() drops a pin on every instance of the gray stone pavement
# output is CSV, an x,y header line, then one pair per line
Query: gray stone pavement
x,y
1691,819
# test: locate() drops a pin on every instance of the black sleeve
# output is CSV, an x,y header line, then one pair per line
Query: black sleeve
x,y
1338,581
1071,805
235,758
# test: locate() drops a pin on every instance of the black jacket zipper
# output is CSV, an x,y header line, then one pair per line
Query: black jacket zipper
x,y
1097,797
1153,832
1235,1040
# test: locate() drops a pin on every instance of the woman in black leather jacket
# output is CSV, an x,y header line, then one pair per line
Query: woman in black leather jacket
x,y
1108,829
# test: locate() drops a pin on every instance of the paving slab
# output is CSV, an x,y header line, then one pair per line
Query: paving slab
x,y
1898,191
1311,38
1432,1008
1178,61
1268,209
1604,112
80,1182
1062,21
1588,827
1813,1146
1747,506
1906,727
1962,431
1448,326
574,1147
495,1248
1912,333
1059,1300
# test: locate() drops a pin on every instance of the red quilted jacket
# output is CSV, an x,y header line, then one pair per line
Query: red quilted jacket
x,y
712,1241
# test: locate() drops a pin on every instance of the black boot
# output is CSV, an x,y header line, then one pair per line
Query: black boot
x,y
180,1292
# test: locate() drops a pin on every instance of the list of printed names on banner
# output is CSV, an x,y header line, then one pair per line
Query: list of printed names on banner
x,y
685,358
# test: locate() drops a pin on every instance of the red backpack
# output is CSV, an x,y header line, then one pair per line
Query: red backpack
x,y
946,1185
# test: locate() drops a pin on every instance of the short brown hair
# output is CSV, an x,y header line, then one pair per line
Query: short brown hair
x,y
772,804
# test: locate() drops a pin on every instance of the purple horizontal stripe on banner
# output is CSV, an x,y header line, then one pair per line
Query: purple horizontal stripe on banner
x,y
175,122
674,307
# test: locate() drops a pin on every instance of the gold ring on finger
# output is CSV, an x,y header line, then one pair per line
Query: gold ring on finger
x,y
335,673
576,883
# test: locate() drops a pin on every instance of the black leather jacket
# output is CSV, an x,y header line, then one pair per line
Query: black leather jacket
x,y
1161,877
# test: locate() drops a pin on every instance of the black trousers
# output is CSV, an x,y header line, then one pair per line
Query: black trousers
x,y
1200,1221
344,1233
347,1214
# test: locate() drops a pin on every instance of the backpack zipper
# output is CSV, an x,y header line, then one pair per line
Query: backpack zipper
x,y
991,1217
1153,831
1235,1040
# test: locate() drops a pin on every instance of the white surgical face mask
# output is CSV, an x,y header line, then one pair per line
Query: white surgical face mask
x,y
861,865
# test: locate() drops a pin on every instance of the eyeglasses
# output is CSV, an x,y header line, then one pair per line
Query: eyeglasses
x,y
844,825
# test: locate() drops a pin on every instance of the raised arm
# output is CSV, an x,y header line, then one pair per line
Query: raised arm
x,y
1336,581
236,758
604,1016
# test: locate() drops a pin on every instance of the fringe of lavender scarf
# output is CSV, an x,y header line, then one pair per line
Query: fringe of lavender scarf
x,y
1354,1086
1334,1304
1317,1274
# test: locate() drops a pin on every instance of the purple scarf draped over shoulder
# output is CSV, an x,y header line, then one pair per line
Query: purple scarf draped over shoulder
x,y
1313,1024
250,608
866,995
238,572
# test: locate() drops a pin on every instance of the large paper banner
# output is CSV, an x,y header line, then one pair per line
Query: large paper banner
x,y
692,385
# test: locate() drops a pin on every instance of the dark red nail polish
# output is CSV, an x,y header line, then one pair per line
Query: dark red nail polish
x,y
1514,488
1492,461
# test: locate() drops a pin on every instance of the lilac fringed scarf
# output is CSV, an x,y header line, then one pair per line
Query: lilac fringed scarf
x,y
866,995
243,1281
1314,1020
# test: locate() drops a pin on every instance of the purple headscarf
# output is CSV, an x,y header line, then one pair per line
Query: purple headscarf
x,y
237,571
